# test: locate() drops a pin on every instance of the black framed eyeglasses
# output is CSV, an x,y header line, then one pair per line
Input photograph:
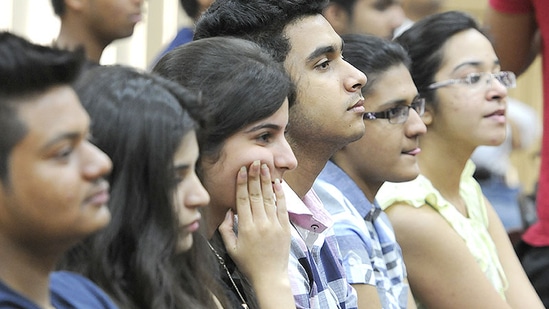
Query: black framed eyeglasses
x,y
476,80
398,114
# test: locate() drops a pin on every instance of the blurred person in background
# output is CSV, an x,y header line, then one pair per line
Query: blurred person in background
x,y
94,24
376,17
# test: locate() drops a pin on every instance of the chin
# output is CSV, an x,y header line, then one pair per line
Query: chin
x,y
357,133
101,219
185,243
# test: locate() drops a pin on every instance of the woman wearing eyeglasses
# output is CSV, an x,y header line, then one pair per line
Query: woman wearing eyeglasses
x,y
456,250
387,152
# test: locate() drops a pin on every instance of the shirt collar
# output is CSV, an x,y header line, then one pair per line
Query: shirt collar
x,y
308,213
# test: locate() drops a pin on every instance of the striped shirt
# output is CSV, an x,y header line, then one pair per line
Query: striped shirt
x,y
365,237
315,269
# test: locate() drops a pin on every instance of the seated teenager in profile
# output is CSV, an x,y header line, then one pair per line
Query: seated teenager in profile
x,y
52,190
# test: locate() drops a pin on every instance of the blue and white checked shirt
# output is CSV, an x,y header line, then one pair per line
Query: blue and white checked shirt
x,y
365,237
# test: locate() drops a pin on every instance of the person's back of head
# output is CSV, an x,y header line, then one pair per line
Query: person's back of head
x,y
140,120
261,21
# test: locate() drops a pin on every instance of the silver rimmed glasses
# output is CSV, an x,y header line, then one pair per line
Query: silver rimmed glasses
x,y
506,78
398,114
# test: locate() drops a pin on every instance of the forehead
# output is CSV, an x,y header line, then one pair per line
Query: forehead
x,y
468,47
394,84
187,151
309,34
56,112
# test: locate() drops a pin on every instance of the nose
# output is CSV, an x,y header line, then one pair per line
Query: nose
x,y
496,89
355,79
95,163
196,195
285,158
414,124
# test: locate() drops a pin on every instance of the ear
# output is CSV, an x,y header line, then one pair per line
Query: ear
x,y
336,16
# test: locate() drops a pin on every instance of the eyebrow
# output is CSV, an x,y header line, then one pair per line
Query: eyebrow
x,y
401,101
181,167
324,50
263,126
65,136
474,64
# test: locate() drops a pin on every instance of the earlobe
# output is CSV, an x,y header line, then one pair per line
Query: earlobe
x,y
427,116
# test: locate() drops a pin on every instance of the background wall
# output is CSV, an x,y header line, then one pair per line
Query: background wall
x,y
35,20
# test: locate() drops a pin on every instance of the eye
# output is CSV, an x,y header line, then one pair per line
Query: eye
x,y
64,153
265,137
180,173
396,111
473,78
323,65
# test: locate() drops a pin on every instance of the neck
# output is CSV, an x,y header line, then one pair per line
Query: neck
x,y
28,271
442,162
73,35
310,164
369,187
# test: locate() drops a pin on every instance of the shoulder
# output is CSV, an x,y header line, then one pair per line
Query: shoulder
x,y
413,193
334,200
70,290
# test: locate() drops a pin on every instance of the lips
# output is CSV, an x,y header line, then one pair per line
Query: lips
x,y
413,152
358,107
100,195
499,112
191,227
498,116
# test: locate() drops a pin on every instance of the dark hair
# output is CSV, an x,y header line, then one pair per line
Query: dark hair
x,y
424,42
58,7
373,56
139,120
239,82
27,70
260,21
191,7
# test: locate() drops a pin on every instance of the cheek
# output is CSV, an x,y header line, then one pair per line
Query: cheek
x,y
462,101
50,188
